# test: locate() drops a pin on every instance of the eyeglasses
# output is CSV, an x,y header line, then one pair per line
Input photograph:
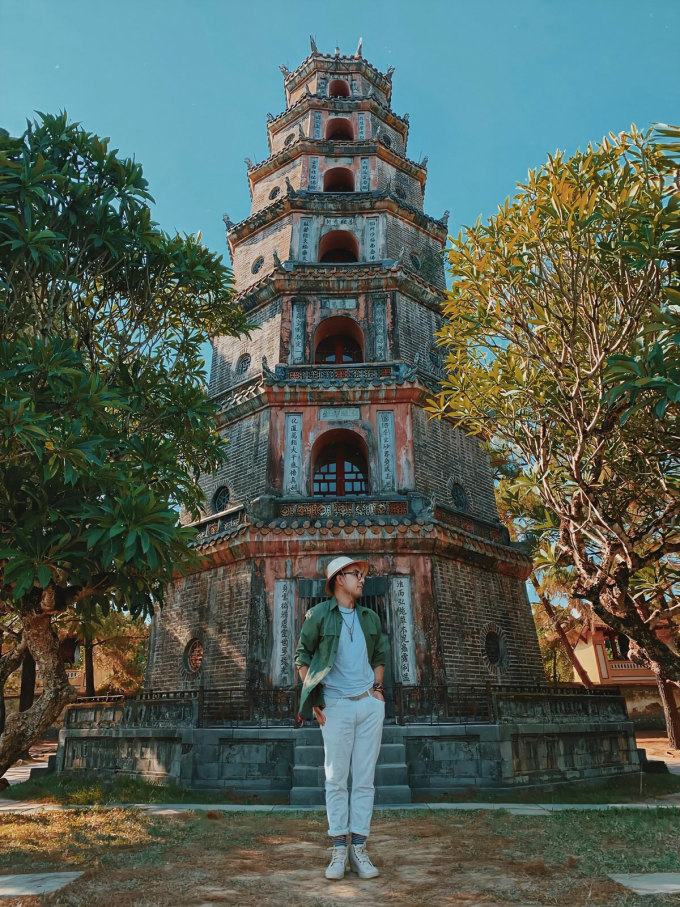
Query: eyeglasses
x,y
359,575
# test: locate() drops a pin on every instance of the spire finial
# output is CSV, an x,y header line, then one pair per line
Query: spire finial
x,y
389,73
337,51
284,70
315,49
359,47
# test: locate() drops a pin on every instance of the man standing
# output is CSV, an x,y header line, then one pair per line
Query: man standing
x,y
341,660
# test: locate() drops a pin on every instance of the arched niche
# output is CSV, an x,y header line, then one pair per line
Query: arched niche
x,y
338,246
338,88
339,340
339,465
339,179
340,129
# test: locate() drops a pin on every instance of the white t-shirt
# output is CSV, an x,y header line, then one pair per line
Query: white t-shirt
x,y
351,673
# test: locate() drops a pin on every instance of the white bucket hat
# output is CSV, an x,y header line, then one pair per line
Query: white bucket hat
x,y
338,564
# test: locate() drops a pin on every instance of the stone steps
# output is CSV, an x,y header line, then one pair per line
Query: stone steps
x,y
391,772
316,796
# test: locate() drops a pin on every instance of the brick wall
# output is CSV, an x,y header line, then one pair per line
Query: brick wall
x,y
430,262
265,340
469,599
212,606
443,454
263,187
245,473
409,188
274,236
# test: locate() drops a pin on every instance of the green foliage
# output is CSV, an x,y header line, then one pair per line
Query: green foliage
x,y
104,424
568,282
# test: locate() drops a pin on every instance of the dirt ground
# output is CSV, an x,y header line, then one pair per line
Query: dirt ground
x,y
491,858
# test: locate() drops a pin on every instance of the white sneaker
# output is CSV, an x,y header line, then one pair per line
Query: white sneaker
x,y
336,867
360,862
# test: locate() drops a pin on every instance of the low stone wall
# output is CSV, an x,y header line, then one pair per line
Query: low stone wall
x,y
535,742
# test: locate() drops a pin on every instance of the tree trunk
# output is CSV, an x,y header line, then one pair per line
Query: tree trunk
x,y
670,711
568,648
9,662
27,692
26,728
89,665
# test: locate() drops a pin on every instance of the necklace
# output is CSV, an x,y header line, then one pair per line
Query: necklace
x,y
350,630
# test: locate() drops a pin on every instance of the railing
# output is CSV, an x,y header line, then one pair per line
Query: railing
x,y
429,704
221,522
315,509
346,374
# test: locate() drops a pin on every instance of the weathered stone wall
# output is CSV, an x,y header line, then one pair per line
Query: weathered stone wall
x,y
245,472
263,188
265,340
261,244
212,606
444,455
403,185
429,263
470,602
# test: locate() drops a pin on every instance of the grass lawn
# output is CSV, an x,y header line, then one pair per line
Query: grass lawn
x,y
249,859
82,789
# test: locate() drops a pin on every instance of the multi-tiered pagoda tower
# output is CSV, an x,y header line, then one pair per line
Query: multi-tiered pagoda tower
x,y
331,450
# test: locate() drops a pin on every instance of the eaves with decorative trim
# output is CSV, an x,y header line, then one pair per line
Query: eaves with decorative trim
x,y
303,278
340,64
318,202
317,101
322,146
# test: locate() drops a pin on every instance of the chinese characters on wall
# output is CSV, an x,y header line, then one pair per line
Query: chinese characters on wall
x,y
386,444
292,458
284,629
371,238
380,330
305,232
298,331
404,649
313,174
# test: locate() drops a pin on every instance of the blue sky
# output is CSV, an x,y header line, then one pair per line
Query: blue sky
x,y
491,86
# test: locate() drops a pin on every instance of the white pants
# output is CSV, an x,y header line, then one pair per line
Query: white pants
x,y
351,735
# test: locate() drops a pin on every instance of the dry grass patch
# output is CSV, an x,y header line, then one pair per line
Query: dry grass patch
x,y
447,859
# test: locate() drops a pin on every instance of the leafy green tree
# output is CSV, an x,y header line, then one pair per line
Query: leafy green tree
x,y
566,276
105,425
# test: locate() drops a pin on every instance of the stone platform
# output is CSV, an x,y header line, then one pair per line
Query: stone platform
x,y
529,738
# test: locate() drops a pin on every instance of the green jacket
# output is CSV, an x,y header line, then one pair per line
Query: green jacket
x,y
318,646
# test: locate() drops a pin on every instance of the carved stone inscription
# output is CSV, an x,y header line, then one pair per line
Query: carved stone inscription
x,y
283,641
313,174
362,126
340,413
337,302
402,614
298,332
386,444
371,238
339,221
305,233
317,125
292,457
380,329
365,174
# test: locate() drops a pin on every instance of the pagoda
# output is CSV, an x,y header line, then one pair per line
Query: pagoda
x,y
332,452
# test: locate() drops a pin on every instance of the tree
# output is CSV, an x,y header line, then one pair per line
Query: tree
x,y
106,427
562,279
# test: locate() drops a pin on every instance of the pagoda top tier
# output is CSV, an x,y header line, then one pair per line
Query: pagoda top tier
x,y
337,76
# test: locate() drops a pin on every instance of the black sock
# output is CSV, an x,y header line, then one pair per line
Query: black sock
x,y
340,841
358,839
